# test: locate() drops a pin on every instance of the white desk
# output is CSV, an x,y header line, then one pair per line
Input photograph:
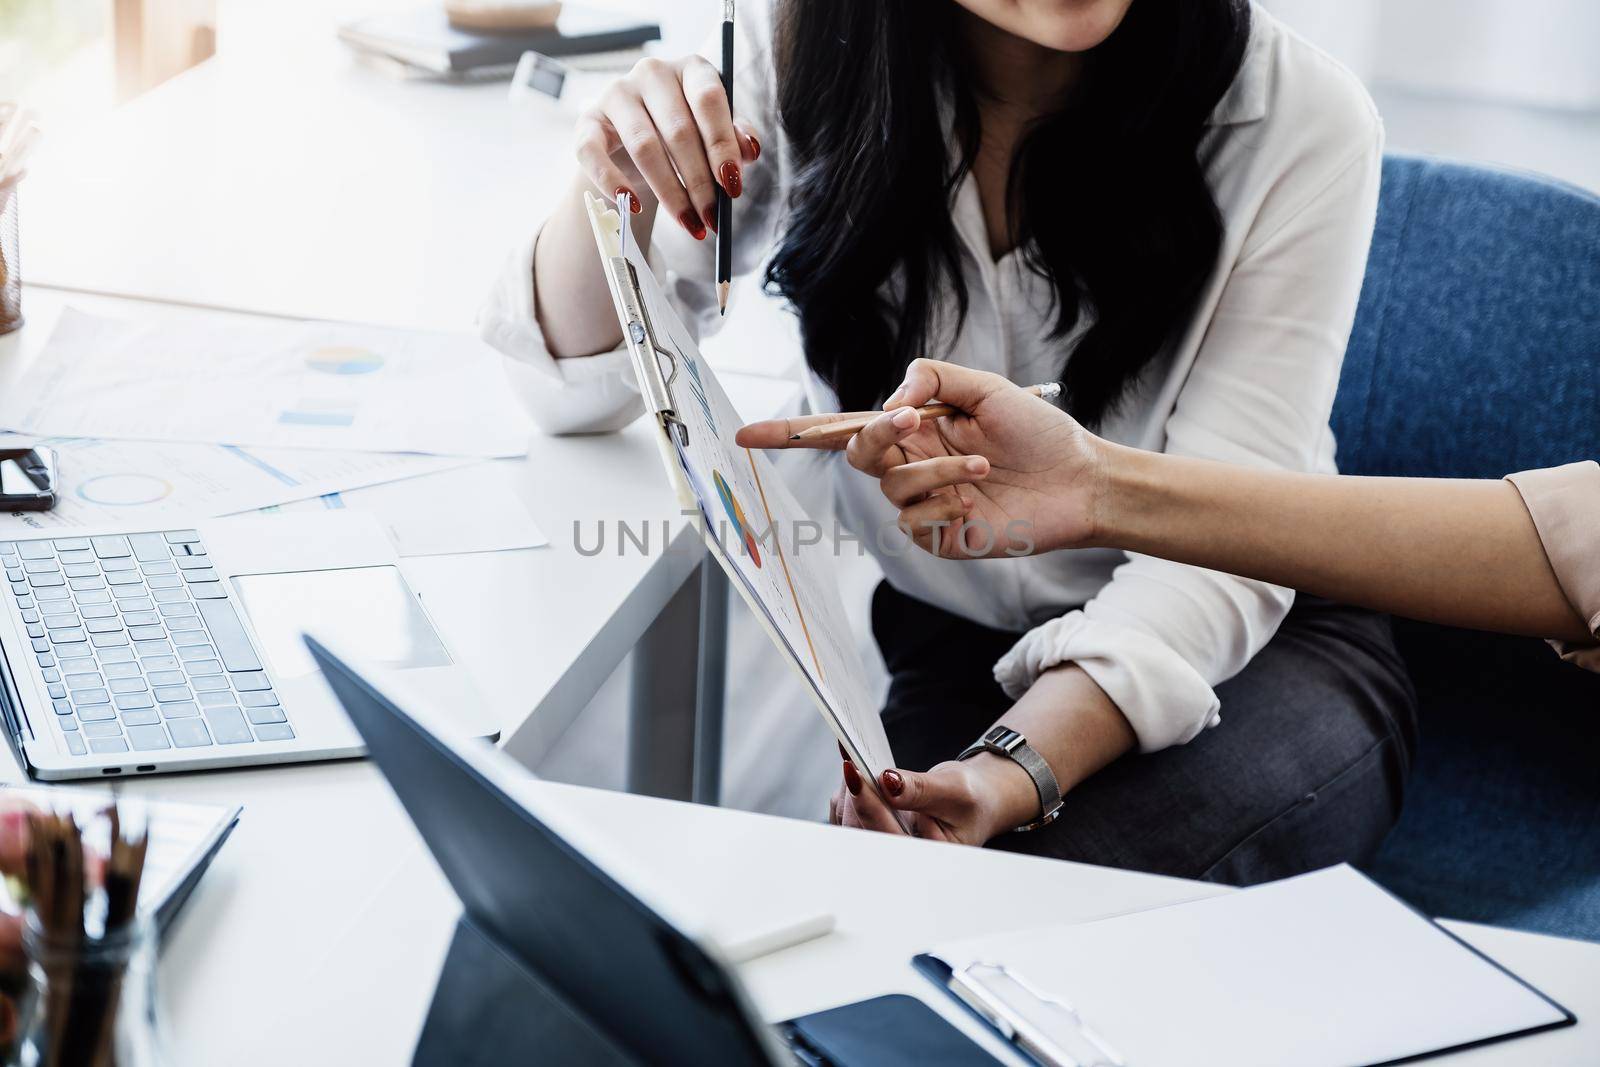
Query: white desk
x,y
286,176
540,629
317,936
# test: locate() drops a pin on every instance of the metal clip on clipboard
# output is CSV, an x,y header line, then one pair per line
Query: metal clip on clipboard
x,y
641,335
1044,1027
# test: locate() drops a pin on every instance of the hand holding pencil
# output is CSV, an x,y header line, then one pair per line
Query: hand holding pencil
x,y
702,155
841,426
965,475
834,430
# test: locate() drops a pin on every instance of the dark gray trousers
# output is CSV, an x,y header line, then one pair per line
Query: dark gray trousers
x,y
1306,769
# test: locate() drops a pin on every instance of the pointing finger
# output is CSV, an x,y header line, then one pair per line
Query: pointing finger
x,y
776,433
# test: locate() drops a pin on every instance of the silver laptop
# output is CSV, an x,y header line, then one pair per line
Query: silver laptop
x,y
178,648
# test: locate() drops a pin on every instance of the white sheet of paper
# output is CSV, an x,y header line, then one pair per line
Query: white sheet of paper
x,y
1323,970
754,522
284,385
476,508
112,483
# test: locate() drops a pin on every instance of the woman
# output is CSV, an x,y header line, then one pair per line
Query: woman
x,y
1166,206
1520,556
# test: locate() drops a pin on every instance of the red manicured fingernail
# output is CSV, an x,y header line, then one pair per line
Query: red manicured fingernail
x,y
842,753
893,784
755,148
633,201
692,223
711,220
852,779
732,181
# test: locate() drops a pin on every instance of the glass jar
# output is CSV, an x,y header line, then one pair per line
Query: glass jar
x,y
10,257
91,1004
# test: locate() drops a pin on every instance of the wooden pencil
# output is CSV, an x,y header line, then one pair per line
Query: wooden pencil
x,y
847,424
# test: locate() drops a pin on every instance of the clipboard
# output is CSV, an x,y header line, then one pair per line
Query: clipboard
x,y
1321,969
794,598
656,367
1046,1029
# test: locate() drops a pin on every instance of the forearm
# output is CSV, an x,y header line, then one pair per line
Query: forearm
x,y
1460,552
1073,724
572,297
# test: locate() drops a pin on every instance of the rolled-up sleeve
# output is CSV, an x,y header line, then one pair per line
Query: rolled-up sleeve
x,y
1564,503
563,395
1160,635
598,393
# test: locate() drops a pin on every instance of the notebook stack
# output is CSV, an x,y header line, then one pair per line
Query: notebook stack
x,y
429,42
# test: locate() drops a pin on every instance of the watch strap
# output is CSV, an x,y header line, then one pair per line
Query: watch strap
x,y
1004,741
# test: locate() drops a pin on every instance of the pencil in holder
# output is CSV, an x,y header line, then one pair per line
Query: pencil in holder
x,y
10,259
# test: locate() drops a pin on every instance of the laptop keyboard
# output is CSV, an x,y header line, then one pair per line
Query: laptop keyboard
x,y
140,646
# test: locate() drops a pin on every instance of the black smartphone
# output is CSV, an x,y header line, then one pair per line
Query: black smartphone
x,y
27,479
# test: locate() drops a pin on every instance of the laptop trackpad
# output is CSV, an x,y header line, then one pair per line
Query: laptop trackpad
x,y
368,613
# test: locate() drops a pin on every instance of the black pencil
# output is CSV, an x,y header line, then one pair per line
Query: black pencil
x,y
724,201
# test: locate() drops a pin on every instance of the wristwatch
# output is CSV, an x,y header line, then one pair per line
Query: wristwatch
x,y
1004,741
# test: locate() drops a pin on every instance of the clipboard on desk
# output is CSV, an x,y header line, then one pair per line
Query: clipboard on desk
x,y
750,520
1326,969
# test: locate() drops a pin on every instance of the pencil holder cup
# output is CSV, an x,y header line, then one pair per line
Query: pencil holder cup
x,y
10,260
91,1003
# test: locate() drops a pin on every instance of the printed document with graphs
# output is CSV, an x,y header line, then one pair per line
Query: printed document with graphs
x,y
749,516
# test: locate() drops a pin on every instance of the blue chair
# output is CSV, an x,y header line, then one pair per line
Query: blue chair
x,y
1476,352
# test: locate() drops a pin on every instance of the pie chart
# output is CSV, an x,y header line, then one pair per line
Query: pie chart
x,y
124,490
344,360
741,525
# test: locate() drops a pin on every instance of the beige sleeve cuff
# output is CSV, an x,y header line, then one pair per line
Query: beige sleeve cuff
x,y
1565,505
1162,696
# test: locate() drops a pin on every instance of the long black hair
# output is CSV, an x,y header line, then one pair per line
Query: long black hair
x,y
1107,198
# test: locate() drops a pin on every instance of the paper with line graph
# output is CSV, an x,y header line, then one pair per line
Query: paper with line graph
x,y
112,483
270,385
753,524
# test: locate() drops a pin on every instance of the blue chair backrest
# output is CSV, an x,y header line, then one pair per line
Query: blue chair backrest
x,y
1476,352
1476,348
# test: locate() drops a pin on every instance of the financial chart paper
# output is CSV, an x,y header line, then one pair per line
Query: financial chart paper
x,y
273,385
113,483
752,524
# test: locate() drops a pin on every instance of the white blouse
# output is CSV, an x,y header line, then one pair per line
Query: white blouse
x,y
1293,156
